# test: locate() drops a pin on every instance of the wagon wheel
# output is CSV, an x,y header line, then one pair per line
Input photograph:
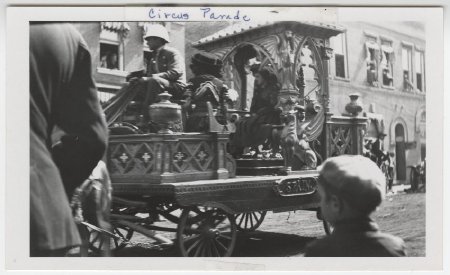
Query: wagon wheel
x,y
97,244
248,222
328,227
206,232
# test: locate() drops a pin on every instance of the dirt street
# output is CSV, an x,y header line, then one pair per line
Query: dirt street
x,y
287,233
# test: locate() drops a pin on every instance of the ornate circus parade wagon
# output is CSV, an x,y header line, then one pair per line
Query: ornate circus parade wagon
x,y
192,180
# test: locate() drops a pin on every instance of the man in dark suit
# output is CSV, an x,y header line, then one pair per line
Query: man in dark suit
x,y
62,95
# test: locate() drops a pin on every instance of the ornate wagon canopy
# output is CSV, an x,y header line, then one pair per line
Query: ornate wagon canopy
x,y
298,53
284,46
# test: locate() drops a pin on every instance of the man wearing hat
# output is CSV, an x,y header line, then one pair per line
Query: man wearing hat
x,y
350,189
205,86
165,68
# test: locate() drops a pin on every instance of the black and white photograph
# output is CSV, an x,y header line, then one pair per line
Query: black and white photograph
x,y
230,132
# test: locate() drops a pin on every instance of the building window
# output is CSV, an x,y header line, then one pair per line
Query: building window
x,y
338,43
387,62
420,70
111,45
407,68
372,53
109,56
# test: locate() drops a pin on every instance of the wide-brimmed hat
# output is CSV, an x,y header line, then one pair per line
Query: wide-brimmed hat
x,y
157,30
208,59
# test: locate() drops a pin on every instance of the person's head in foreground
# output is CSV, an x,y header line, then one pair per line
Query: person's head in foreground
x,y
350,187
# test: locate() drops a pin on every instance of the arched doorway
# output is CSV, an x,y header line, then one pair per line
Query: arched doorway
x,y
400,152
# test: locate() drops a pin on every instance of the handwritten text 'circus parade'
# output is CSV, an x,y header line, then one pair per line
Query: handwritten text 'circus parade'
x,y
205,13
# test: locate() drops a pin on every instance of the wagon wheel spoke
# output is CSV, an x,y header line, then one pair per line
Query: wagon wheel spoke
x,y
116,242
215,250
221,245
219,221
199,249
255,216
250,221
207,251
195,219
198,231
116,230
101,243
194,245
225,237
241,219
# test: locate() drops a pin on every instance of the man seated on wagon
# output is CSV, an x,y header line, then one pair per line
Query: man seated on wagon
x,y
205,86
257,130
164,72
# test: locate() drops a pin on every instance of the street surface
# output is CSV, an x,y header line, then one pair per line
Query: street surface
x,y
286,234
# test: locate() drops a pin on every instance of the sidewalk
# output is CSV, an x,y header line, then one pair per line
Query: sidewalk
x,y
398,189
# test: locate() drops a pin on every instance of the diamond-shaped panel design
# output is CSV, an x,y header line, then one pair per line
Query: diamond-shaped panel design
x,y
340,141
121,157
203,156
181,157
145,157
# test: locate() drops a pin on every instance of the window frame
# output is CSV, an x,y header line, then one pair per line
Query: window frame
x,y
372,39
421,52
111,38
343,40
384,43
409,48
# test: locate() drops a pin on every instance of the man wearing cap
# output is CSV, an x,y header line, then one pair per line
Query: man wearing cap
x,y
350,189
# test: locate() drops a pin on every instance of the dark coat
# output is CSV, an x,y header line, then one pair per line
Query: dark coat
x,y
167,63
357,239
258,128
202,89
63,95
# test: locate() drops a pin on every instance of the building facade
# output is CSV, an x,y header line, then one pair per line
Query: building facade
x,y
385,64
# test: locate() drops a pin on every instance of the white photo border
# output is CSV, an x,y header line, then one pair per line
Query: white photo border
x,y
17,149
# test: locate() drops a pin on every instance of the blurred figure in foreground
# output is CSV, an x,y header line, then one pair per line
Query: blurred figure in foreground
x,y
63,95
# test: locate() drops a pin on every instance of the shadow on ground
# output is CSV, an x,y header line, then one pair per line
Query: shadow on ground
x,y
254,244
